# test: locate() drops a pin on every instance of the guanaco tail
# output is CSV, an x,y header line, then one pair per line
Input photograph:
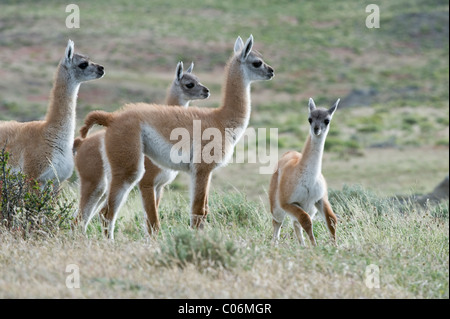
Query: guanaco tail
x,y
93,167
154,130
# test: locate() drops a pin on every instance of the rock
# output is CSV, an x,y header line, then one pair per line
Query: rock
x,y
440,192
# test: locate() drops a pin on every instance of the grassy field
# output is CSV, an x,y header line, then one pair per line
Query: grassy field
x,y
389,137
234,257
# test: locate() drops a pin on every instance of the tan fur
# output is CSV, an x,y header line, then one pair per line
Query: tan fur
x,y
93,173
126,140
298,182
43,149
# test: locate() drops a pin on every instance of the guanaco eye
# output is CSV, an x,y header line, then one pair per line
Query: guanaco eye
x,y
310,120
190,85
257,64
327,121
83,65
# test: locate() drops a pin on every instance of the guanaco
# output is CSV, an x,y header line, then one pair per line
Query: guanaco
x,y
42,150
153,130
297,187
93,167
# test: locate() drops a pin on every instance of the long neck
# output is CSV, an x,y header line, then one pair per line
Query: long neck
x,y
236,105
174,97
312,154
63,100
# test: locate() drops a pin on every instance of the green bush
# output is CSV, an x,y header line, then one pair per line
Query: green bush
x,y
200,248
234,209
29,208
355,195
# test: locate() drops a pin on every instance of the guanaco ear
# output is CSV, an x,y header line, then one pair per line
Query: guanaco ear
x,y
334,107
247,48
179,71
191,67
238,45
311,104
69,51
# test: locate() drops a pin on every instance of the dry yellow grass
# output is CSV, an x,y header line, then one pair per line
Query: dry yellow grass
x,y
409,245
126,270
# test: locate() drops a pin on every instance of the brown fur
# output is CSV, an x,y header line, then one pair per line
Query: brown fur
x,y
90,165
42,150
124,143
303,170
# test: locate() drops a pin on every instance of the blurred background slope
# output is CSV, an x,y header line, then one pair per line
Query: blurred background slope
x,y
391,133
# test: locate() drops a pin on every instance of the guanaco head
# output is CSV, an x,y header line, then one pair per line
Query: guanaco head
x,y
79,67
252,64
186,86
320,118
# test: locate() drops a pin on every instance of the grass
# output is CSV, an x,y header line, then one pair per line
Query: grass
x,y
233,257
390,135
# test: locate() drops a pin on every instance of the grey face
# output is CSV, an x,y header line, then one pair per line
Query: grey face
x,y
320,118
79,67
191,87
255,69
83,69
188,86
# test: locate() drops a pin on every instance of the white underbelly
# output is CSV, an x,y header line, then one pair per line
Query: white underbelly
x,y
60,167
165,177
162,152
306,195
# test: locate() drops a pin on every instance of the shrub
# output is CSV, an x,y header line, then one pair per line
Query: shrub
x,y
203,249
235,209
29,208
356,196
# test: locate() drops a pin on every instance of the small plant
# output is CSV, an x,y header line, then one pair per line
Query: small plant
x,y
202,249
366,200
235,210
28,208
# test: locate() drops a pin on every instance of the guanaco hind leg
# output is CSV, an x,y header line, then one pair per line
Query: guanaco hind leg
x,y
324,208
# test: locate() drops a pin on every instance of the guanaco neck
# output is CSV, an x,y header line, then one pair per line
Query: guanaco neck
x,y
312,155
236,104
174,98
63,99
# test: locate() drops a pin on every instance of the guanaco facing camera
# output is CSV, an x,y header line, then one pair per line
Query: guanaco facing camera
x,y
297,187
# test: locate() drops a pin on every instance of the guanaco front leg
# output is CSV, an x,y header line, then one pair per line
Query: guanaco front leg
x,y
276,230
301,218
199,207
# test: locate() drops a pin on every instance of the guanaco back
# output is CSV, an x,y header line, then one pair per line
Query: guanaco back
x,y
155,131
93,167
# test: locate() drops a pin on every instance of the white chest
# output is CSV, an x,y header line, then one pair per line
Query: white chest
x,y
308,191
60,167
